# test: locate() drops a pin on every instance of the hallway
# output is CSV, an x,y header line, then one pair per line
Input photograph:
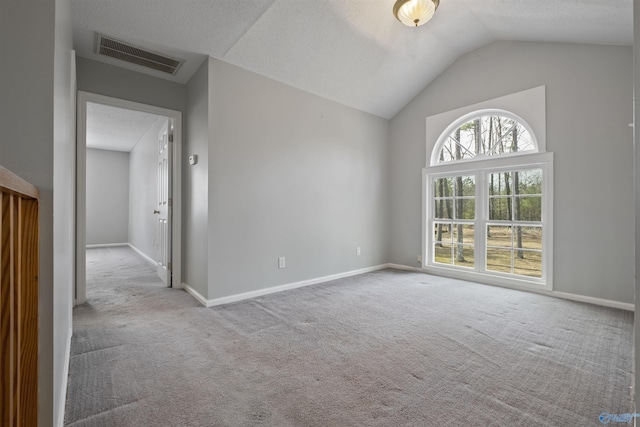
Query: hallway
x,y
126,318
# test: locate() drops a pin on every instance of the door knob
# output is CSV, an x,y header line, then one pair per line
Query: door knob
x,y
155,212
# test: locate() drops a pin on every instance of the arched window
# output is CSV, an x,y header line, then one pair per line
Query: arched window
x,y
484,134
489,202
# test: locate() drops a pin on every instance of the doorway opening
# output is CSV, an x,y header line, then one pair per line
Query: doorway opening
x,y
128,183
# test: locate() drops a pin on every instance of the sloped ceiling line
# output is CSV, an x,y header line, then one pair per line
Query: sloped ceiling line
x,y
246,30
353,52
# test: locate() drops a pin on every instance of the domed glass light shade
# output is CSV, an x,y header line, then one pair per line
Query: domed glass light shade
x,y
414,13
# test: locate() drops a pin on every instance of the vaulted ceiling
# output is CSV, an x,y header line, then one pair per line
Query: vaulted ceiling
x,y
350,51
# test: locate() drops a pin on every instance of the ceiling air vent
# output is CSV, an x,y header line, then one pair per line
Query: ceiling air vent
x,y
126,52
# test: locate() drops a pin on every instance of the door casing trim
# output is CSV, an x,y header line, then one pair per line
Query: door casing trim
x,y
81,185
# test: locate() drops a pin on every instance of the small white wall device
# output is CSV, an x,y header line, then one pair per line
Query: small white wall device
x,y
193,159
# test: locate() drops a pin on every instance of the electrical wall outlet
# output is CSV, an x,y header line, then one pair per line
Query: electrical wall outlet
x,y
420,259
358,251
281,262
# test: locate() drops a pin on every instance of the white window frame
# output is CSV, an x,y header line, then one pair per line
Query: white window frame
x,y
432,177
435,154
481,168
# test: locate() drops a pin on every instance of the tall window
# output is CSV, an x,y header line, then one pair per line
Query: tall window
x,y
454,223
514,230
489,201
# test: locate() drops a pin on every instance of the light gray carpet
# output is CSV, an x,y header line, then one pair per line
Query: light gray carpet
x,y
388,348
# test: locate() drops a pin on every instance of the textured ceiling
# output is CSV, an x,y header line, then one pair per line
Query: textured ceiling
x,y
350,51
117,129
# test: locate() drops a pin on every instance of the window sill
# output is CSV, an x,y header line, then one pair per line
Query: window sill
x,y
519,283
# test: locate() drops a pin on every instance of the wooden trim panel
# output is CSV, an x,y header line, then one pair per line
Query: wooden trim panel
x,y
13,184
18,301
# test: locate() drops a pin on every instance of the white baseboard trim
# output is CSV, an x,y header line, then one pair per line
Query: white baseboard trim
x,y
279,288
593,300
106,245
405,267
65,381
202,300
252,294
564,295
143,255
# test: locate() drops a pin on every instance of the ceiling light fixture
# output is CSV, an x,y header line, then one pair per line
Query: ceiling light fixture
x,y
414,13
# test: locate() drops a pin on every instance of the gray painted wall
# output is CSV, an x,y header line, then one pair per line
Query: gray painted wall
x,y
107,197
36,121
143,191
636,137
105,79
64,185
196,182
588,112
290,174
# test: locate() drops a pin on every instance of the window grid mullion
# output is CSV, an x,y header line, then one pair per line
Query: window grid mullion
x,y
481,220
489,159
482,210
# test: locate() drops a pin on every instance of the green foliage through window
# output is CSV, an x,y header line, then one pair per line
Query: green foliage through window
x,y
486,135
513,235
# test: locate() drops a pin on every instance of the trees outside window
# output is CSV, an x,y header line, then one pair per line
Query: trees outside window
x,y
488,199
486,136
514,231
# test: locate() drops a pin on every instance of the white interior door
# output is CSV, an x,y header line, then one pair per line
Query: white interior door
x,y
164,210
